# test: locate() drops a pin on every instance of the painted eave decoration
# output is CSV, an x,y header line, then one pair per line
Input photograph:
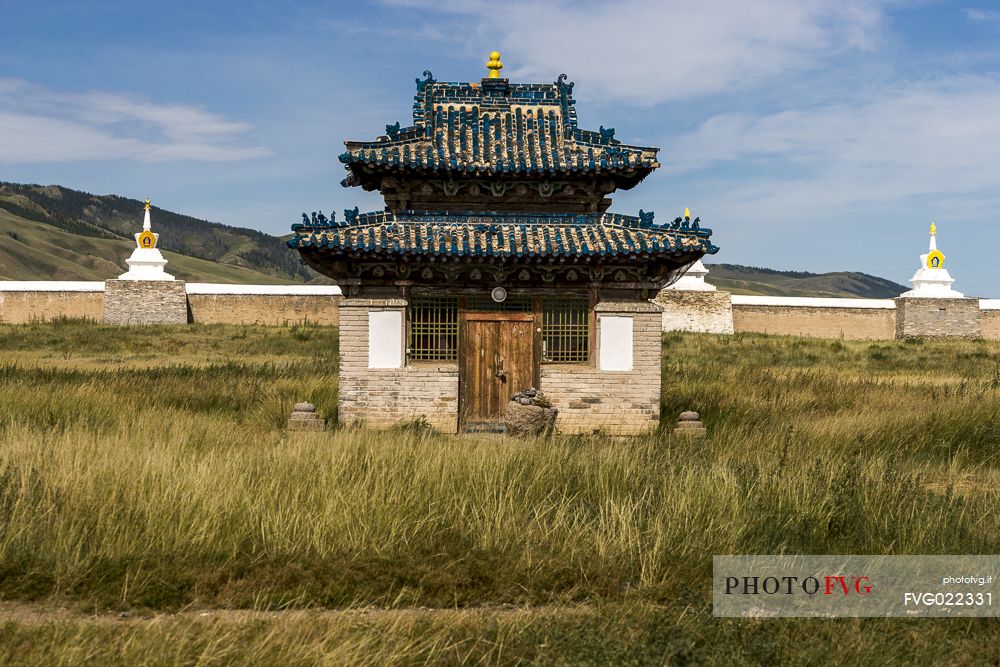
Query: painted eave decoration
x,y
520,235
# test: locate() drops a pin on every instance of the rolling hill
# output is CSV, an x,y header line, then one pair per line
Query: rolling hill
x,y
768,282
56,233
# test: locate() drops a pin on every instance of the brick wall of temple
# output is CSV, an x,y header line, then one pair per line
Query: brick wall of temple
x,y
850,319
205,303
380,397
273,309
613,402
33,305
859,319
989,318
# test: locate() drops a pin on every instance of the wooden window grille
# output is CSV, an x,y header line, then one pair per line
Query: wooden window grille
x,y
433,329
565,331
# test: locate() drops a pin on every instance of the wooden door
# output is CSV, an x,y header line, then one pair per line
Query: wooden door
x,y
496,360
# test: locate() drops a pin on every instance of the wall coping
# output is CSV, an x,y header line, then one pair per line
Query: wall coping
x,y
811,302
192,288
276,290
989,304
51,286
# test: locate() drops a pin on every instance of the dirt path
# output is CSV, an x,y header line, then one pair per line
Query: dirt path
x,y
43,613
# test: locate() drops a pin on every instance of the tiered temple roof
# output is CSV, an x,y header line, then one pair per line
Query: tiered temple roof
x,y
496,139
495,174
496,128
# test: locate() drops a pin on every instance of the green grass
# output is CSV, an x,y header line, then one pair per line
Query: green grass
x,y
148,470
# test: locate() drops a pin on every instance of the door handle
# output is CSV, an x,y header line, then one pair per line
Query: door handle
x,y
498,363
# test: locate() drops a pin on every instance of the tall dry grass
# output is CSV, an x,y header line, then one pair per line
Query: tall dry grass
x,y
148,468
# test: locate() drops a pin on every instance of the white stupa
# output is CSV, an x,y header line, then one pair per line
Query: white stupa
x,y
694,278
146,262
932,280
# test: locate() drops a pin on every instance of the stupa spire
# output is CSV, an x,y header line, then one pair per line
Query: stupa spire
x,y
932,280
146,262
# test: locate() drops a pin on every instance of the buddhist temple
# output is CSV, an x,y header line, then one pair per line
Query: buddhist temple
x,y
496,264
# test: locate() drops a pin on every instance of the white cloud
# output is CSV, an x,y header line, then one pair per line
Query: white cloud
x,y
983,15
38,124
920,139
650,51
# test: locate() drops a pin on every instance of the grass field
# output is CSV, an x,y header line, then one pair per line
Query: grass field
x,y
146,473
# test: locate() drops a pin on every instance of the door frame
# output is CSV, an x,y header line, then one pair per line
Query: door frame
x,y
465,316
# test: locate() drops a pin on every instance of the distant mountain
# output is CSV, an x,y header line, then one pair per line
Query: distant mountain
x,y
55,233
768,282
52,233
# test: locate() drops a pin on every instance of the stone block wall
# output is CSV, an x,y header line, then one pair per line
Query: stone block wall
x,y
380,397
145,302
853,319
850,319
697,311
613,402
33,305
275,309
989,318
937,318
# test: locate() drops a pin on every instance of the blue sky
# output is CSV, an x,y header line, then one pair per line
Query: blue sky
x,y
809,134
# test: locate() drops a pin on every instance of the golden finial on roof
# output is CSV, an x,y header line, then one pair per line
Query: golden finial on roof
x,y
933,229
147,203
494,65
687,213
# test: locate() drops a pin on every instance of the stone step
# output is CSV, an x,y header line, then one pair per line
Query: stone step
x,y
484,427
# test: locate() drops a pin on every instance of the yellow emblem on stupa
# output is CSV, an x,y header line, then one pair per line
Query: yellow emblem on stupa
x,y
687,213
494,65
146,239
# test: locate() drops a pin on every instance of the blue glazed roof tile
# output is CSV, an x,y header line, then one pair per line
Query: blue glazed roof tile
x,y
490,129
415,234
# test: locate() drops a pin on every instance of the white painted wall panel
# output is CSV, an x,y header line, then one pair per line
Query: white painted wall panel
x,y
616,343
385,339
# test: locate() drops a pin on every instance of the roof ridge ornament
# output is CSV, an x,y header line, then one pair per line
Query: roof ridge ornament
x,y
494,65
563,86
422,84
